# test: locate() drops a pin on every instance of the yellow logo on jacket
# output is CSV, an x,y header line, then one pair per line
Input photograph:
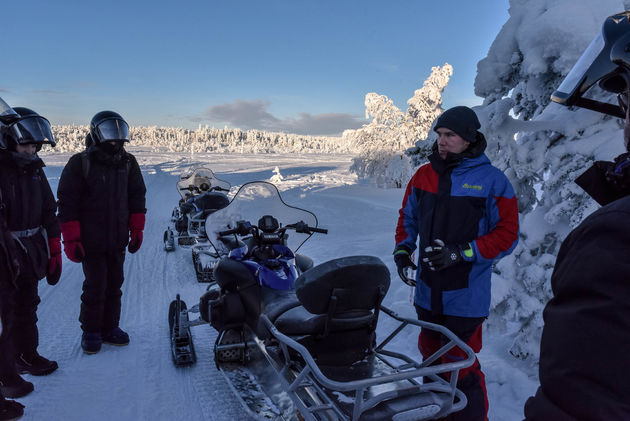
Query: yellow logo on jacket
x,y
472,186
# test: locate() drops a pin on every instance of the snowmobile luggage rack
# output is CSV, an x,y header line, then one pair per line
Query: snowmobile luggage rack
x,y
312,350
394,392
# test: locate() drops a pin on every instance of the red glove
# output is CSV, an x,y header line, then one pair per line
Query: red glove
x,y
136,226
53,273
72,246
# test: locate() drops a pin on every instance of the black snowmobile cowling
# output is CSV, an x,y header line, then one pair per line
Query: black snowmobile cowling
x,y
606,61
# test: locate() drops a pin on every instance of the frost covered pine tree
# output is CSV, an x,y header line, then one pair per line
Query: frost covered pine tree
x,y
382,142
542,150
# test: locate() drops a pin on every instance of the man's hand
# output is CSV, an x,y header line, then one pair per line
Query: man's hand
x,y
440,256
403,261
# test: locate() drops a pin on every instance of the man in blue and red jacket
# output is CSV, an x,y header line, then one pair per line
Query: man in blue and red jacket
x,y
464,212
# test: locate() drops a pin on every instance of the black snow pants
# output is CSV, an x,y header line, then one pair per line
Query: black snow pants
x,y
100,301
471,380
7,354
19,321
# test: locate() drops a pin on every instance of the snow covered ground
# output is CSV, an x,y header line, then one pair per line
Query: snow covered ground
x,y
139,382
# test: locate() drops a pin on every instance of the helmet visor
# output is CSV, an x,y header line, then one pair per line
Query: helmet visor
x,y
34,129
112,129
573,81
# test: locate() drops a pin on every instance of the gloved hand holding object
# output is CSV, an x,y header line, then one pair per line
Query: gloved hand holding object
x,y
440,256
53,272
403,261
71,232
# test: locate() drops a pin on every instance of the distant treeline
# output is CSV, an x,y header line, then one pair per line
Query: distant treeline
x,y
210,139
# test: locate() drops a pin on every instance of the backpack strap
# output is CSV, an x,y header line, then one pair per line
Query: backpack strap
x,y
85,164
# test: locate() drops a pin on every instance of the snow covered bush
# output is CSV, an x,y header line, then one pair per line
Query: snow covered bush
x,y
381,143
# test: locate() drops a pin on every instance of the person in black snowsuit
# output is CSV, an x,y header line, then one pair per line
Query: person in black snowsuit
x,y
30,248
102,210
585,347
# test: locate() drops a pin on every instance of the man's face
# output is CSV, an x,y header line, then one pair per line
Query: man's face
x,y
28,149
449,141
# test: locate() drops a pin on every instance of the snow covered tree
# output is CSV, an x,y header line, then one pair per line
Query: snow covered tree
x,y
542,150
382,142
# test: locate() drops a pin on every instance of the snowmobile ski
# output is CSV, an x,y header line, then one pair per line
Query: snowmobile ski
x,y
169,240
182,348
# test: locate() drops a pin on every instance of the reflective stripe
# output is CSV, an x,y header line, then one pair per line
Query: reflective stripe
x,y
25,233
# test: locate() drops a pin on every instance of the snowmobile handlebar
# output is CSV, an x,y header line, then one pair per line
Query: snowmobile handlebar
x,y
245,228
303,228
242,228
193,188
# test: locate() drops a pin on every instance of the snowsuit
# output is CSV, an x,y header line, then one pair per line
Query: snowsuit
x,y
101,191
461,199
585,346
29,212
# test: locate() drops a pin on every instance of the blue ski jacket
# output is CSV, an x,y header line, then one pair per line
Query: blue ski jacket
x,y
459,200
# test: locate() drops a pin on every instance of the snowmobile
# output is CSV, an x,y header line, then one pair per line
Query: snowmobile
x,y
201,194
298,341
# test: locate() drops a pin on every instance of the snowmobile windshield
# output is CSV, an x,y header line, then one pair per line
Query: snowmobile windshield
x,y
198,181
112,129
35,129
251,202
7,114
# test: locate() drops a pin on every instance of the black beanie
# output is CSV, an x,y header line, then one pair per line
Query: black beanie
x,y
462,120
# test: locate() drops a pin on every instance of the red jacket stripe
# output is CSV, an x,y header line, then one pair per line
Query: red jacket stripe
x,y
503,236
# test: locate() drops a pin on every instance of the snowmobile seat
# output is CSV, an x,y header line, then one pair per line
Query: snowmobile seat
x,y
339,307
211,201
275,302
340,294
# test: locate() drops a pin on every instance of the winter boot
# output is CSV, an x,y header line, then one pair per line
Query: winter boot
x,y
14,386
116,336
35,364
10,410
91,342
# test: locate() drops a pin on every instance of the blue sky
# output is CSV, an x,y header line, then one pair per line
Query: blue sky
x,y
293,65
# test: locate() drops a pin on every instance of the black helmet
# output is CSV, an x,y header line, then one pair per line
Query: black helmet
x,y
106,126
606,61
28,128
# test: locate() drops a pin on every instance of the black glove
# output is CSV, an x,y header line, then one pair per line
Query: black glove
x,y
403,261
440,256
